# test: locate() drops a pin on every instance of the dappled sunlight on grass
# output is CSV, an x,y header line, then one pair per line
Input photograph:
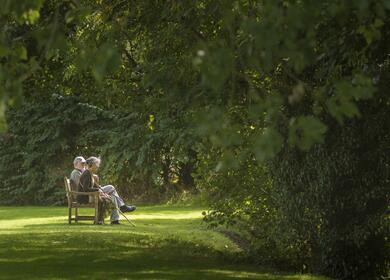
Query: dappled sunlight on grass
x,y
168,216
167,243
22,222
266,276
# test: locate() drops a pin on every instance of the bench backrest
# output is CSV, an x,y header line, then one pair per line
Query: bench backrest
x,y
68,190
67,185
71,196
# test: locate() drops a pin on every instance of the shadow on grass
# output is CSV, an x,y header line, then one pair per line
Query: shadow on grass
x,y
113,256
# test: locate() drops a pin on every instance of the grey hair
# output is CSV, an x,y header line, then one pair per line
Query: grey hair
x,y
78,160
93,161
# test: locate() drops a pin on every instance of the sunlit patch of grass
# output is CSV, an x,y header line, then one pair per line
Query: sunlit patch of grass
x,y
265,276
168,243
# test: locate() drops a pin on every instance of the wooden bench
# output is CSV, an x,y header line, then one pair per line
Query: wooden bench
x,y
72,203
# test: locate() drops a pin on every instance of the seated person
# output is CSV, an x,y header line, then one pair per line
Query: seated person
x,y
89,182
79,167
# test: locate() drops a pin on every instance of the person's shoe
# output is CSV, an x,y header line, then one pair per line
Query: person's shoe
x,y
125,208
115,223
99,223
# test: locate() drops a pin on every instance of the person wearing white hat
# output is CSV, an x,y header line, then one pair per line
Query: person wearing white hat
x,y
79,166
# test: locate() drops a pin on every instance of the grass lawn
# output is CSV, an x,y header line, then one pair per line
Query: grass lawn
x,y
168,243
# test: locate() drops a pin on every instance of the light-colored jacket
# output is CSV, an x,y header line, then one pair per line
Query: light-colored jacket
x,y
75,179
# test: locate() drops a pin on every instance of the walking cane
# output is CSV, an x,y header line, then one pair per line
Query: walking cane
x,y
131,223
117,208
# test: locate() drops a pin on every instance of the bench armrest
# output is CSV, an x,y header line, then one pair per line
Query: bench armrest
x,y
85,193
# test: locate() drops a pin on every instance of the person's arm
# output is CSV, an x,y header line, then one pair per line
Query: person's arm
x,y
96,181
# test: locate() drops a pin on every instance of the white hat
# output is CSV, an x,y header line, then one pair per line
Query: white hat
x,y
78,159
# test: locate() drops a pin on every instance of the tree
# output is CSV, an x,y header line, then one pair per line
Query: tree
x,y
282,90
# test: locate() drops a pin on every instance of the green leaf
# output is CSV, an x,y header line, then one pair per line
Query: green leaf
x,y
267,144
340,108
364,88
31,16
343,103
21,52
4,51
306,131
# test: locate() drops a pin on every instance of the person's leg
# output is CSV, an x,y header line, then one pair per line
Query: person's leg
x,y
101,212
110,189
116,201
114,213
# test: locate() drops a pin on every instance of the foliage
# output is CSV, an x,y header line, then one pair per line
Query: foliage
x,y
338,216
40,145
286,96
43,139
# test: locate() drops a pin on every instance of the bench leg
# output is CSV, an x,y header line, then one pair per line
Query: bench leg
x,y
76,215
69,215
96,211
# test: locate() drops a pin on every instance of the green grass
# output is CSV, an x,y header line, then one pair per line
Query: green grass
x,y
168,243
